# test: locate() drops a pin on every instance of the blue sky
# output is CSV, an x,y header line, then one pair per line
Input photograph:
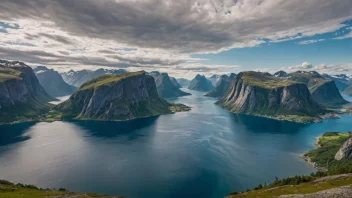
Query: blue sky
x,y
289,53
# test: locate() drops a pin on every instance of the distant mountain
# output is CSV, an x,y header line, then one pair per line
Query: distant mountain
x,y
200,83
166,88
324,91
175,83
348,91
280,74
116,97
257,94
221,86
342,81
22,98
52,82
214,79
77,78
183,82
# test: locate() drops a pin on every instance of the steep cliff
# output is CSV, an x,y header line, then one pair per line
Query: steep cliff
x,y
200,83
116,97
175,83
21,95
221,87
342,81
52,82
345,151
166,88
77,78
324,91
257,94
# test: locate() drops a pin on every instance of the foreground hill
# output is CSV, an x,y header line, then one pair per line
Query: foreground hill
x,y
52,82
166,88
200,83
221,87
324,91
77,78
257,94
22,97
116,97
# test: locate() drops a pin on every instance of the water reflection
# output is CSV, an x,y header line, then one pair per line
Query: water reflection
x,y
10,134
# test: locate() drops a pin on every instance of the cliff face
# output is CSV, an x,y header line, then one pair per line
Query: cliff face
x,y
345,152
221,87
324,91
175,83
115,97
200,83
77,78
21,95
255,93
52,82
166,88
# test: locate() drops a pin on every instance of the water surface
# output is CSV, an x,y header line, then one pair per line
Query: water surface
x,y
206,152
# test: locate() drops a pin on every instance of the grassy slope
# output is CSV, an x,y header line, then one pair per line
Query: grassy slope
x,y
10,190
106,79
8,73
268,82
324,155
303,188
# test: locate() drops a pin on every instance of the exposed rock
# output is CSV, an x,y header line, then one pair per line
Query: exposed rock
x,y
200,83
257,94
166,88
52,82
77,78
116,97
345,152
21,95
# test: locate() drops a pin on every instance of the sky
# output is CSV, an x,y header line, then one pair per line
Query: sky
x,y
183,37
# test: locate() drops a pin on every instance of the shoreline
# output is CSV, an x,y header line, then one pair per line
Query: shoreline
x,y
309,160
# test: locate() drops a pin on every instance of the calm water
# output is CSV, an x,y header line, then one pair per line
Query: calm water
x,y
207,152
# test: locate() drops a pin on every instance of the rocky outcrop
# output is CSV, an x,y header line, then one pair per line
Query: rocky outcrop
x,y
324,91
221,87
52,82
254,93
77,78
166,88
116,97
200,83
345,151
21,95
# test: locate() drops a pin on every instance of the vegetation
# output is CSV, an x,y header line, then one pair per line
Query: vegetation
x,y
107,79
258,79
8,73
11,190
324,155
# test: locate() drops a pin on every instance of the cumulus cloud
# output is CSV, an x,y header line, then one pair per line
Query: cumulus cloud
x,y
156,33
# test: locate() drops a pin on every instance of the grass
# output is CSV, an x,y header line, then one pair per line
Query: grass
x,y
107,79
10,190
303,188
8,73
258,79
324,155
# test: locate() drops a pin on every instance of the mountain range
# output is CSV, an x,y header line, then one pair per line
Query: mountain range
x,y
200,83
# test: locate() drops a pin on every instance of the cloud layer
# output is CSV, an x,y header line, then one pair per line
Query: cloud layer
x,y
156,33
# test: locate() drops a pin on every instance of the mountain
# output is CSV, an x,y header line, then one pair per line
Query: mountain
x,y
77,78
345,151
116,97
280,74
348,91
22,97
183,82
200,83
175,83
342,81
166,88
52,82
221,86
257,94
214,79
324,91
